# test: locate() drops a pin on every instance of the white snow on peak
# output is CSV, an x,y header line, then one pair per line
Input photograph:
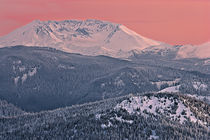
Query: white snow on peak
x,y
139,38
194,51
95,37
88,37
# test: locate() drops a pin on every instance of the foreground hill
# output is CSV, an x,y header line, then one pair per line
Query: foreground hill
x,y
149,116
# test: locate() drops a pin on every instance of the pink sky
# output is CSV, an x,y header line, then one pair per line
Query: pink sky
x,y
171,21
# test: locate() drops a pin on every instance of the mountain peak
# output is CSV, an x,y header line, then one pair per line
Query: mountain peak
x,y
88,37
96,37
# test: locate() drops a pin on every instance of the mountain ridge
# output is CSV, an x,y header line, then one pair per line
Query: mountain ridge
x,y
186,119
88,37
29,75
96,37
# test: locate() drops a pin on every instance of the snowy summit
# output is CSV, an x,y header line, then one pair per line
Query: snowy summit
x,y
96,37
89,37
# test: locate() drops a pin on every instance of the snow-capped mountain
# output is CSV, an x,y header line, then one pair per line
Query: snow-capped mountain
x,y
89,37
194,51
95,37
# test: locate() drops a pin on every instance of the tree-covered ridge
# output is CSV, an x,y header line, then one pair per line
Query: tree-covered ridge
x,y
104,120
37,79
176,107
9,110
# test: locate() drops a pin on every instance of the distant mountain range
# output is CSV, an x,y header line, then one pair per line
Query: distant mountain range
x,y
95,37
40,78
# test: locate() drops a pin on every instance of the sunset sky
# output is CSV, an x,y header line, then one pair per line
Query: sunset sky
x,y
170,21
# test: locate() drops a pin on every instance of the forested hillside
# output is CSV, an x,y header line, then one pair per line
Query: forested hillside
x,y
149,116
36,79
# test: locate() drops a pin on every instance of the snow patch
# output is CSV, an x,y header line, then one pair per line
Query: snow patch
x,y
98,116
199,86
118,82
66,67
170,83
22,68
207,62
106,126
30,73
170,107
153,136
120,119
33,72
16,79
17,62
103,85
170,89
200,97
24,77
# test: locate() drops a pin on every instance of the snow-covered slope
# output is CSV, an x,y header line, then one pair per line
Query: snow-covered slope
x,y
89,37
194,51
95,37
170,89
168,105
148,116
